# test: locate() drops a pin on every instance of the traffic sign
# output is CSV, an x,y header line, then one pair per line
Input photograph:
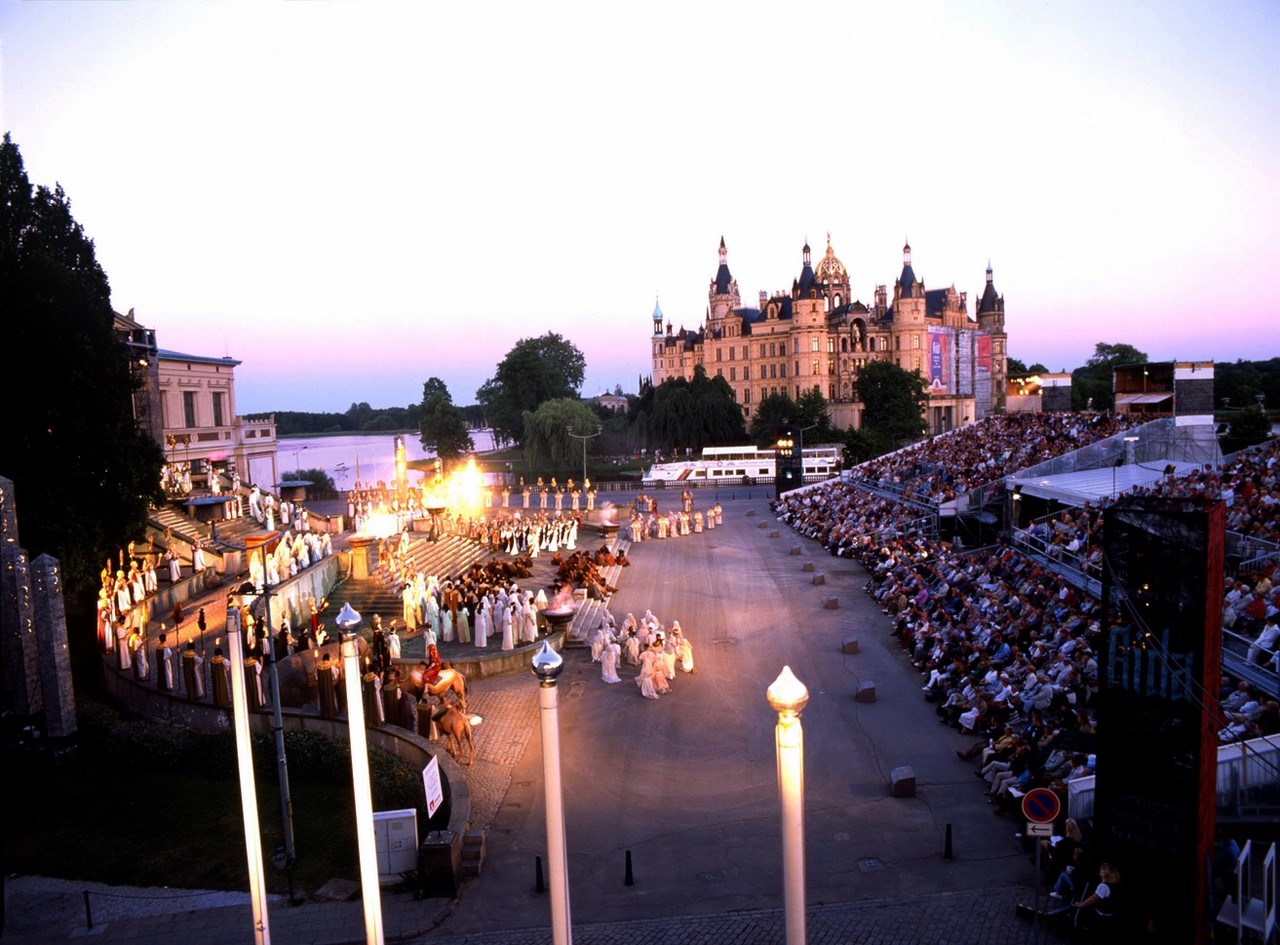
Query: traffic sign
x,y
1039,830
1041,806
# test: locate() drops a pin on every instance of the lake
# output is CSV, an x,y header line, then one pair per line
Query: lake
x,y
364,457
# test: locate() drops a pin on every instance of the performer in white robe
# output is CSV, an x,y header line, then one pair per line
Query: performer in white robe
x,y
610,655
509,619
650,671
484,624
529,624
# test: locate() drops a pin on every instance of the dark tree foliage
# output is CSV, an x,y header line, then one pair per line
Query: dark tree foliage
x,y
679,414
1240,383
1091,385
862,445
1246,428
442,426
771,413
84,473
358,418
321,481
893,400
535,370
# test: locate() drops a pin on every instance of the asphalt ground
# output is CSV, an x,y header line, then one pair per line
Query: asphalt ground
x,y
687,785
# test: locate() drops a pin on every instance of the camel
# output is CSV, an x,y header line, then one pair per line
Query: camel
x,y
456,728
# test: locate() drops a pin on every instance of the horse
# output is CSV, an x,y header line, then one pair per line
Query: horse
x,y
449,680
456,728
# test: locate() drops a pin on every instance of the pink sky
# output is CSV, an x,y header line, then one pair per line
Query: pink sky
x,y
351,198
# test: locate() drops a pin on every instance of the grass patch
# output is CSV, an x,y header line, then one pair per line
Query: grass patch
x,y
147,804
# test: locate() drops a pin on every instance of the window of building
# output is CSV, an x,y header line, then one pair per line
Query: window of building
x,y
719,354
746,396
831,392
719,372
763,349
831,345
773,350
897,342
732,352
813,344
733,373
813,366
189,408
217,408
915,341
773,370
746,372
782,369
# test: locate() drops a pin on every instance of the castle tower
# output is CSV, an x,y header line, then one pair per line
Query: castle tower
x,y
991,318
722,296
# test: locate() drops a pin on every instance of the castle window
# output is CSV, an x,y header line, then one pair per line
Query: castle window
x,y
814,344
782,369
746,372
763,349
773,370
773,350
719,354
732,352
831,392
915,341
897,342
733,374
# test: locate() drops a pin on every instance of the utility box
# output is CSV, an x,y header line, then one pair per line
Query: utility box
x,y
395,835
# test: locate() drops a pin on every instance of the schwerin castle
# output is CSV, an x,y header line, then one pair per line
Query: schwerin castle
x,y
819,336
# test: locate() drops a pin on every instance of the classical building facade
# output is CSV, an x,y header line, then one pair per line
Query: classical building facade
x,y
819,336
188,403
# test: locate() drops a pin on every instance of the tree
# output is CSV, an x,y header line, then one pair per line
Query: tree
x,y
862,445
1091,385
83,470
770,414
893,400
680,414
1248,427
547,443
442,425
534,371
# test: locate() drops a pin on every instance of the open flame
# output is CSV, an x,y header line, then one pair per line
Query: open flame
x,y
562,603
460,491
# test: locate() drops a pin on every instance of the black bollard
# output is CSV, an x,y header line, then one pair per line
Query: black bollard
x,y
946,851
538,885
630,877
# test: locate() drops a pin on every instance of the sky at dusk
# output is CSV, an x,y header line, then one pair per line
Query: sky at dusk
x,y
351,198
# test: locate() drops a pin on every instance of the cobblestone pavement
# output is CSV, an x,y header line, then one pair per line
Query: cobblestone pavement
x,y
918,896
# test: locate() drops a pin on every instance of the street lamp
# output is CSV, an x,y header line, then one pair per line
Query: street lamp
x,y
546,666
583,438
801,432
366,844
295,458
788,697
248,789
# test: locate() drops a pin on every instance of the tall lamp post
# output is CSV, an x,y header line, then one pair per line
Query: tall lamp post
x,y
295,458
282,762
801,433
248,788
546,666
366,844
788,697
583,438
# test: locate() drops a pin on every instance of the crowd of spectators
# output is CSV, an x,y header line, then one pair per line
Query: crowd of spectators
x,y
943,467
1006,646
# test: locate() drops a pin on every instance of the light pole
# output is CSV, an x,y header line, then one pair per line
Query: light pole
x,y
366,844
248,789
286,801
295,458
788,697
583,438
546,666
802,429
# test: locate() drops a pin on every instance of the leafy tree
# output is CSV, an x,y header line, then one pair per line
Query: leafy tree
x,y
893,400
812,410
686,414
1019,368
83,471
1093,382
442,425
771,413
547,443
1241,382
321,481
534,371
1251,425
862,445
